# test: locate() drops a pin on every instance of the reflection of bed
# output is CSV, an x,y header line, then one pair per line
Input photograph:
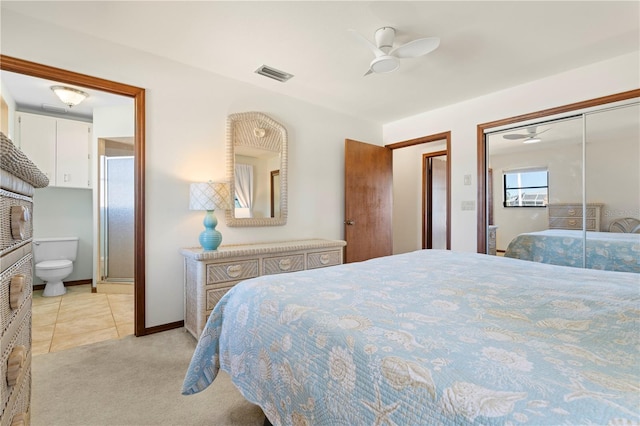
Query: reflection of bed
x,y
430,337
605,250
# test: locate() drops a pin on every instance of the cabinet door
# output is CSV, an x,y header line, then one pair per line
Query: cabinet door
x,y
72,165
36,137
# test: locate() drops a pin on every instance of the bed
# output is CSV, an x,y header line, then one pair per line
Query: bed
x,y
609,251
430,337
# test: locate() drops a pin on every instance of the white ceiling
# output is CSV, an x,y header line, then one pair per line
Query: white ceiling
x,y
485,46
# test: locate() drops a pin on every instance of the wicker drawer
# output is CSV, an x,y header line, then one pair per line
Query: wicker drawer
x,y
235,271
278,265
321,259
214,296
19,407
566,211
571,223
22,337
12,298
7,201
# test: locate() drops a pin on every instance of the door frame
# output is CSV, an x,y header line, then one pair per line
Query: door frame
x,y
427,205
482,149
446,136
33,69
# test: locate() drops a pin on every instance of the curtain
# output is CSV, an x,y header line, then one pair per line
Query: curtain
x,y
244,185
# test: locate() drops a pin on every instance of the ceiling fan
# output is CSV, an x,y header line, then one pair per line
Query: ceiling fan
x,y
530,137
387,57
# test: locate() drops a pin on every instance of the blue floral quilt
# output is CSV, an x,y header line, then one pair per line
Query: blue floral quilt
x,y
430,338
609,251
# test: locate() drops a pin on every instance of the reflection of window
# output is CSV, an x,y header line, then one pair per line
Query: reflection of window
x,y
526,188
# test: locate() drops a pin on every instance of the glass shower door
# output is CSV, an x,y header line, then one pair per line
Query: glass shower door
x,y
117,219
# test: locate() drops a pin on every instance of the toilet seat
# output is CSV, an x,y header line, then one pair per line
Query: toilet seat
x,y
53,264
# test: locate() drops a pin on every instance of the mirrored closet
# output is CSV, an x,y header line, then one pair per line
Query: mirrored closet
x,y
565,188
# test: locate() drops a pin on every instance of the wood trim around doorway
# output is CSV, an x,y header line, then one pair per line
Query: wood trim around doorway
x,y
446,136
33,69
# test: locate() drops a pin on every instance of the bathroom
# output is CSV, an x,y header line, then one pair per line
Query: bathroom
x,y
98,299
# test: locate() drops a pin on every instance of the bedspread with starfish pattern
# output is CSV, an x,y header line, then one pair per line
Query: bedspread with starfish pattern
x,y
430,338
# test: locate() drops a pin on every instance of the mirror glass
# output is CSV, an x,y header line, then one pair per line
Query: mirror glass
x,y
257,170
556,189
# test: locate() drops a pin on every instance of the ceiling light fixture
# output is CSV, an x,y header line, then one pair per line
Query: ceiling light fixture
x,y
69,96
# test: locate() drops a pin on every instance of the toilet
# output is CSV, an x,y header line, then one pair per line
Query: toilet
x,y
54,259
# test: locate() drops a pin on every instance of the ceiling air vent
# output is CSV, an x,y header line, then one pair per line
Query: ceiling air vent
x,y
273,73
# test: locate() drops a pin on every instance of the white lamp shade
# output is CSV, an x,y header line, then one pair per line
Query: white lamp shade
x,y
209,196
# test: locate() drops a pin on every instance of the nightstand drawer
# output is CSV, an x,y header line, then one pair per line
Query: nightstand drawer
x,y
278,265
13,295
233,271
322,259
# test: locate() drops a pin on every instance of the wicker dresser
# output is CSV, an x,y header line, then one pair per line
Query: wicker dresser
x,y
210,274
569,216
18,178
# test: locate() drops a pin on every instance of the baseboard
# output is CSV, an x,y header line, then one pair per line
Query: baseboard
x,y
160,328
66,284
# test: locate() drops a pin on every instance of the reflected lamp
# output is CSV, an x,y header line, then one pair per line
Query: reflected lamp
x,y
209,196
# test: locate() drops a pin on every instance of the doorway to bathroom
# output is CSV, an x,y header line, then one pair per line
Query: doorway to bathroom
x,y
116,200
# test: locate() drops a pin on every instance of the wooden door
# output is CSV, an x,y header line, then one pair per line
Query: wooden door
x,y
368,201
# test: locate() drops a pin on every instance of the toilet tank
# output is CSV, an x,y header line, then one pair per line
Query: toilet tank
x,y
55,248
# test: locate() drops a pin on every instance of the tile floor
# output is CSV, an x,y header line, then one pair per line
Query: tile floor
x,y
79,317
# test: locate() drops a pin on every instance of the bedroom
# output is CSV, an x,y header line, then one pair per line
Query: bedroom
x,y
175,153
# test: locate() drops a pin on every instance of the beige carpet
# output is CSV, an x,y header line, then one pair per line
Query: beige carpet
x,y
132,381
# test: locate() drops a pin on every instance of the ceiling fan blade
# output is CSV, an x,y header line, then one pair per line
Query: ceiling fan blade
x,y
515,136
368,72
539,133
415,48
367,43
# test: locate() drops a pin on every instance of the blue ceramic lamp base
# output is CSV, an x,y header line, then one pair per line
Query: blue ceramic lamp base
x,y
210,238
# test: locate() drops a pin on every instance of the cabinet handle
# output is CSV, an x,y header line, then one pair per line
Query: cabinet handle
x,y
20,216
15,290
324,259
15,363
571,212
284,264
20,419
572,222
234,271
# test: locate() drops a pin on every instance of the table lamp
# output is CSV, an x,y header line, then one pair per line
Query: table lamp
x,y
209,196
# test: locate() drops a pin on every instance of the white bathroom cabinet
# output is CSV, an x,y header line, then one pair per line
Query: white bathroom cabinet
x,y
59,147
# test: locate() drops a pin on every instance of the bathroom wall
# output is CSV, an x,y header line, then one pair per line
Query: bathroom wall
x,y
66,212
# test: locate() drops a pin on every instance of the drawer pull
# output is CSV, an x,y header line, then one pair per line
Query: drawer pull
x,y
16,288
15,363
284,264
20,420
324,258
571,212
234,271
20,216
573,222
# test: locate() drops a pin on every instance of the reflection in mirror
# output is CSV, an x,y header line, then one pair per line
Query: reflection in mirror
x,y
554,200
257,170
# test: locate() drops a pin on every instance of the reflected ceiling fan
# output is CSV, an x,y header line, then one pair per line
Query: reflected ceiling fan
x,y
387,57
530,137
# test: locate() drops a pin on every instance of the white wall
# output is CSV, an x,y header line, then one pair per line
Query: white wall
x,y
600,79
186,112
66,212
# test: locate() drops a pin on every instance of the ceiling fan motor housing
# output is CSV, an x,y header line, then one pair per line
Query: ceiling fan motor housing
x,y
384,38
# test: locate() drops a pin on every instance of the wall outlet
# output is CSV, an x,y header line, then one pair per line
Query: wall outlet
x,y
467,179
469,205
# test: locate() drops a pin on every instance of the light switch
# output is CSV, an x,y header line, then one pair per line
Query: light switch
x,y
468,205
